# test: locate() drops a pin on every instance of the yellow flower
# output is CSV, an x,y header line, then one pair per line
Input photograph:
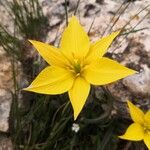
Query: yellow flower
x,y
140,129
75,65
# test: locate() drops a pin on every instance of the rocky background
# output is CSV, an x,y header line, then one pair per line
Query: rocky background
x,y
132,51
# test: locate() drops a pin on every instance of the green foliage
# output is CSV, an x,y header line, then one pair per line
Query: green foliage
x,y
8,42
29,23
48,125
28,18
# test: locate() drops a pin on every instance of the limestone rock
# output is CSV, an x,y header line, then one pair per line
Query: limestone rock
x,y
5,105
139,83
6,144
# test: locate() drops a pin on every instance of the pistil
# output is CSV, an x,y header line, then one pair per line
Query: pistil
x,y
77,66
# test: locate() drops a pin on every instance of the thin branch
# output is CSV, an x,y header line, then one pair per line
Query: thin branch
x,y
66,12
110,30
77,7
131,30
91,25
107,27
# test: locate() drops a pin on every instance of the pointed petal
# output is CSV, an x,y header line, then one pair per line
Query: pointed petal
x,y
78,95
135,132
136,114
147,140
52,80
52,55
104,71
147,118
99,48
75,41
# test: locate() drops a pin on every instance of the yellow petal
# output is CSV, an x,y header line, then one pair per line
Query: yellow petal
x,y
136,114
147,140
147,118
75,42
78,95
99,48
135,132
52,55
104,71
52,80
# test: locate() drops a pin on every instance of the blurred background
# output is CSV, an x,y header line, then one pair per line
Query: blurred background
x,y
32,121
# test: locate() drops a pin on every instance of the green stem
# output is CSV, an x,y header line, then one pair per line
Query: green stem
x,y
66,12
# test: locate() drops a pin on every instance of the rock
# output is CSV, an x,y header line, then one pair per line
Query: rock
x,y
91,10
5,68
135,56
6,83
139,83
56,11
136,87
6,88
100,1
5,17
5,105
6,144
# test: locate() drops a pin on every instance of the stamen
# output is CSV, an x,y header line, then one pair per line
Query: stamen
x,y
77,66
146,128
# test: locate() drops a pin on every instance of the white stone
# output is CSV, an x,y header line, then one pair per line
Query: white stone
x,y
139,83
5,105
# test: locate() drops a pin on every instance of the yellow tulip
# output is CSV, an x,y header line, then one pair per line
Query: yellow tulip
x,y
140,129
75,65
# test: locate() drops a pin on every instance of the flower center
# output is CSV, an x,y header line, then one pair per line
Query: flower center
x,y
77,66
147,128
